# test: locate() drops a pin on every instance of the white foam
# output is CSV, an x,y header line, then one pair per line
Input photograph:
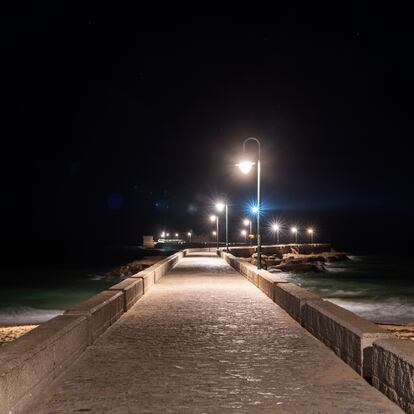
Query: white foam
x,y
26,315
393,310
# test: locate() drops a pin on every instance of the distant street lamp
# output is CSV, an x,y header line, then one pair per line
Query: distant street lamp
x,y
294,230
276,229
189,234
163,235
246,166
310,232
176,234
244,233
220,207
168,234
248,222
216,233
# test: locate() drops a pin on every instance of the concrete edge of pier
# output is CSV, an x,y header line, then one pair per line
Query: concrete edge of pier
x,y
29,364
384,360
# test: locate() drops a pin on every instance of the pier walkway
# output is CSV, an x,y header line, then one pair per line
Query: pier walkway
x,y
205,340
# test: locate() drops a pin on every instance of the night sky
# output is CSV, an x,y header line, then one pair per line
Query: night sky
x,y
122,122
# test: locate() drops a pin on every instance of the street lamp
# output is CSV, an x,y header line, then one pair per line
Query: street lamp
x,y
245,167
220,207
276,229
248,222
310,232
216,233
189,235
244,233
168,234
163,235
294,230
176,234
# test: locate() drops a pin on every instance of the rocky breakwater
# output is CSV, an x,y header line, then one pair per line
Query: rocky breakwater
x,y
295,262
135,266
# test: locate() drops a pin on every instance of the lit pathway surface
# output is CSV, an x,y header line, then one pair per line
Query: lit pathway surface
x,y
205,340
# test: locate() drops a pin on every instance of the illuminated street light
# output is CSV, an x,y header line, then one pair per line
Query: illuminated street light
x,y
189,234
294,230
168,234
276,229
216,233
244,233
255,209
176,234
248,222
163,235
246,166
220,207
310,232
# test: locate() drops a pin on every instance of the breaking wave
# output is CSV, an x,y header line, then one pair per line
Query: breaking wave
x,y
26,315
392,310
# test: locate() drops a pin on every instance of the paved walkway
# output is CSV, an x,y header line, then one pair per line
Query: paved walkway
x,y
205,340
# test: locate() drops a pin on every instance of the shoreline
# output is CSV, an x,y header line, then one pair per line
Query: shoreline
x,y
9,333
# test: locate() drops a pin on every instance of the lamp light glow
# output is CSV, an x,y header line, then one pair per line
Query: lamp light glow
x,y
255,209
294,229
213,217
310,231
214,233
245,166
275,227
220,206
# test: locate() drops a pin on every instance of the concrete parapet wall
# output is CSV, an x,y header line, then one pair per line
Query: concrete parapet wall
x,y
292,298
30,363
393,371
132,288
350,336
102,310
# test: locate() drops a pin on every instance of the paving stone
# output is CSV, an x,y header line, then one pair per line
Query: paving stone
x,y
205,340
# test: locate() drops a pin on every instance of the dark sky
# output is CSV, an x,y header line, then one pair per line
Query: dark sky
x,y
122,122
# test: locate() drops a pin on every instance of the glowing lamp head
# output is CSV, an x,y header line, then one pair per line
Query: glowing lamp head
x,y
176,234
220,206
243,232
168,234
213,217
246,222
214,233
189,234
275,227
163,234
255,209
294,229
310,231
245,166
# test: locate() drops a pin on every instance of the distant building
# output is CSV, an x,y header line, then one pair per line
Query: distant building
x,y
148,241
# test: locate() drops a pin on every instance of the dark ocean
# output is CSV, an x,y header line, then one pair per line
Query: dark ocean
x,y
41,282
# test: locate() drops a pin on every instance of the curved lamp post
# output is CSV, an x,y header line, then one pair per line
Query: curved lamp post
x,y
294,230
276,229
216,233
246,166
310,232
220,207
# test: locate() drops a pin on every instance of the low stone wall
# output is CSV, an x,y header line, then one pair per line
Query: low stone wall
x,y
371,351
29,364
393,371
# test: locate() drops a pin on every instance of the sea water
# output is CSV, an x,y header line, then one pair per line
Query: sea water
x,y
35,294
377,288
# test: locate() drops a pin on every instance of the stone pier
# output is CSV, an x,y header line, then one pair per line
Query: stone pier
x,y
204,339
